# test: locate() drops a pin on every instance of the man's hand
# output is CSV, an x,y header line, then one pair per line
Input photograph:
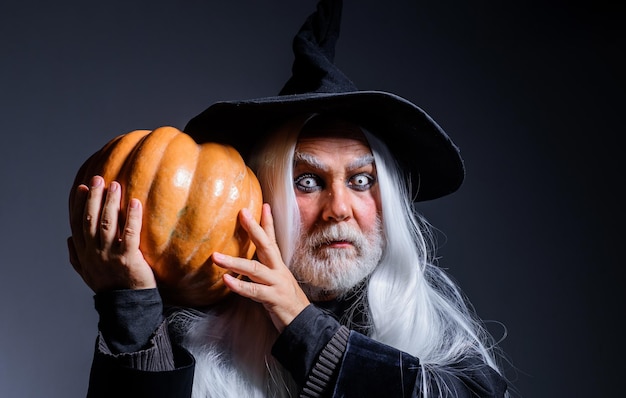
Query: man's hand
x,y
270,281
106,257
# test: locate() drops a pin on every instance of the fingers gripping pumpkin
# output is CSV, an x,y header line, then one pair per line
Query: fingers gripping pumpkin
x,y
191,194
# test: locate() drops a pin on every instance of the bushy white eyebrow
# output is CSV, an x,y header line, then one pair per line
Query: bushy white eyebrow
x,y
362,161
307,158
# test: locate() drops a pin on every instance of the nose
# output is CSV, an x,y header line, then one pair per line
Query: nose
x,y
337,204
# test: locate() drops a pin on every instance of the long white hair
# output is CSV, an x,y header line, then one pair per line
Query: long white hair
x,y
232,344
411,303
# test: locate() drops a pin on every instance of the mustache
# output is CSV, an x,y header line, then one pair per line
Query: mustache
x,y
336,233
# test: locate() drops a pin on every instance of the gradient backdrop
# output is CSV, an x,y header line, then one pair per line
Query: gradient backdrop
x,y
532,92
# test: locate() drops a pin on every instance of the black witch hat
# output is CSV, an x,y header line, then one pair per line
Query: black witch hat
x,y
420,146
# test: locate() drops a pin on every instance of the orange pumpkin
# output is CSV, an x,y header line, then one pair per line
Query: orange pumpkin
x,y
191,195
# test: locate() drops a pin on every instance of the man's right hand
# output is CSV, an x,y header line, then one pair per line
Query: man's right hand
x,y
106,257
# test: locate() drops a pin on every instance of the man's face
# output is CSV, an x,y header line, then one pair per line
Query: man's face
x,y
337,194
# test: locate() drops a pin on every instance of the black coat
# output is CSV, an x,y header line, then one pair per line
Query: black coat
x,y
368,369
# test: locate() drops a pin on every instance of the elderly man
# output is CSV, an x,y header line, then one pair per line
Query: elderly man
x,y
342,299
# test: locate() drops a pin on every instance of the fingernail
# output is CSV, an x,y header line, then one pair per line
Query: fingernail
x,y
96,181
134,203
113,187
245,212
217,256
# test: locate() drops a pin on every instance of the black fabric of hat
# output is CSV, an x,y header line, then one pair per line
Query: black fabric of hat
x,y
420,146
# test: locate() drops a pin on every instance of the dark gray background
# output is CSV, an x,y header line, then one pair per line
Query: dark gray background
x,y
532,92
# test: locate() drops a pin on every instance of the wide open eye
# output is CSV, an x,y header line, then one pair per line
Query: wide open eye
x,y
308,182
361,182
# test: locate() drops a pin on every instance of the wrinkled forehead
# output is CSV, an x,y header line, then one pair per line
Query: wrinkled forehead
x,y
335,142
331,127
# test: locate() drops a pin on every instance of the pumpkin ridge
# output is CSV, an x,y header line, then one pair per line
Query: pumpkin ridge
x,y
234,184
126,150
170,140
187,211
199,258
143,166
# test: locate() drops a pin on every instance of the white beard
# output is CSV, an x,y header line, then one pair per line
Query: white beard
x,y
232,341
232,346
325,272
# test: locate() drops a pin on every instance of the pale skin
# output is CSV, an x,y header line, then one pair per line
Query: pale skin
x,y
335,182
344,182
